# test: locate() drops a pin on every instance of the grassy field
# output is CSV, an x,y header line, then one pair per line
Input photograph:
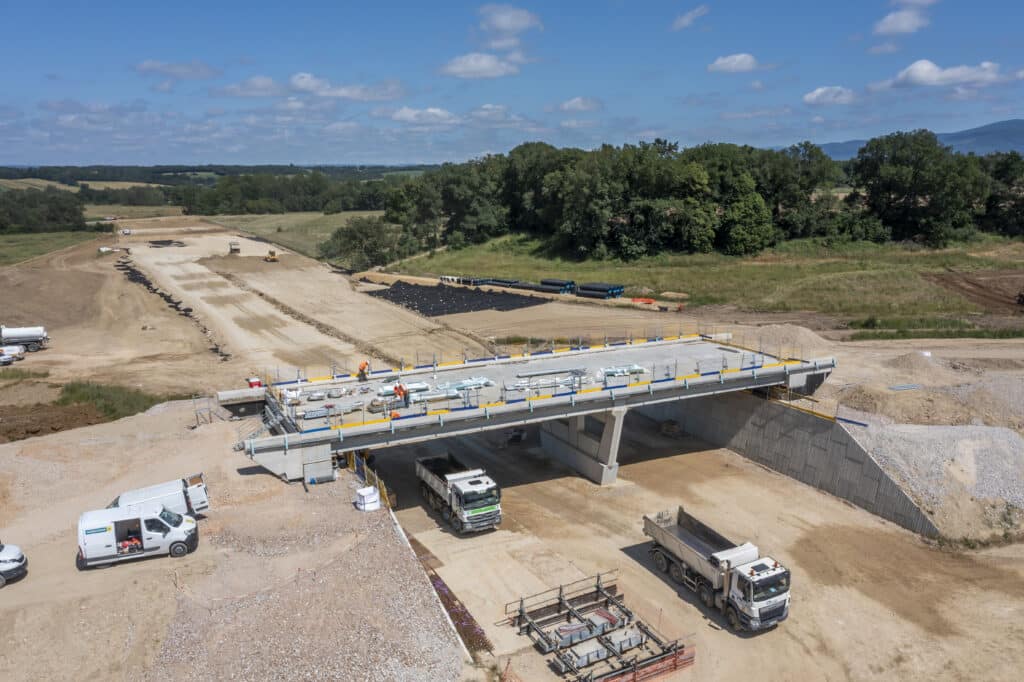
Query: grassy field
x,y
298,231
857,279
101,211
34,183
113,401
15,248
37,183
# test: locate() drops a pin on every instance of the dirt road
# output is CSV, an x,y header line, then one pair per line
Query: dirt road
x,y
871,601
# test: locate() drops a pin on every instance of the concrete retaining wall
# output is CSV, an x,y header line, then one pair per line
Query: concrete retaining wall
x,y
816,451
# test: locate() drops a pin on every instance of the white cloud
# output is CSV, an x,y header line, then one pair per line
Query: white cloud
x,y
915,3
830,94
686,20
1020,74
756,85
755,113
925,73
818,120
577,124
884,48
321,87
292,104
479,65
901,21
341,127
256,86
193,70
504,23
734,63
429,116
581,104
490,112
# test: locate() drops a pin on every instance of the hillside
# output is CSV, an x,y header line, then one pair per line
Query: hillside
x,y
1003,136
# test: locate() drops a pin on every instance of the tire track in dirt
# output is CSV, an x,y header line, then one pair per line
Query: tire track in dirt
x,y
325,329
993,291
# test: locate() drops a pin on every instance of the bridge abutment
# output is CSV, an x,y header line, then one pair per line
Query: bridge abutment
x,y
587,443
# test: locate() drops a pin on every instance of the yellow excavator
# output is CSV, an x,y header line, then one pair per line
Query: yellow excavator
x,y
271,256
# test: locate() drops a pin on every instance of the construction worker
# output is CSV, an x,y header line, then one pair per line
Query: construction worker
x,y
402,393
364,369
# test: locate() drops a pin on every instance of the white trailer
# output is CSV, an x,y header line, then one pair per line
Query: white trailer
x,y
182,496
16,352
33,338
466,498
108,536
751,590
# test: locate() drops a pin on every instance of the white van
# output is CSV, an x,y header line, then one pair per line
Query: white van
x,y
107,536
16,352
182,495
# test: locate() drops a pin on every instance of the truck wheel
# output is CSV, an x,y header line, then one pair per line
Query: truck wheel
x,y
32,347
425,492
446,515
435,503
458,526
705,595
675,571
178,550
660,561
734,620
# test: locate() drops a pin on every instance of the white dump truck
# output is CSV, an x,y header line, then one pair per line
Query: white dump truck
x,y
466,498
33,338
751,590
108,536
182,495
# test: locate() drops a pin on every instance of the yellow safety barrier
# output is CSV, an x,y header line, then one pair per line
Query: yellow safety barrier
x,y
497,404
432,412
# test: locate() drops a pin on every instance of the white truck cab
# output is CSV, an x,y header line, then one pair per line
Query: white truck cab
x,y
13,563
759,591
108,536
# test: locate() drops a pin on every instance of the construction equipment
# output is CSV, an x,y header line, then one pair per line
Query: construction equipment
x,y
234,247
33,338
271,256
751,590
467,498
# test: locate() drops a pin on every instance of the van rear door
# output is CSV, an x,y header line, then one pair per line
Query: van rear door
x,y
197,494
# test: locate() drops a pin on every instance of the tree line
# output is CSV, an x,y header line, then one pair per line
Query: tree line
x,y
49,210
638,200
279,194
196,175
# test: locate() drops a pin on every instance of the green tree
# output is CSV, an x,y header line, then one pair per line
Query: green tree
x,y
919,188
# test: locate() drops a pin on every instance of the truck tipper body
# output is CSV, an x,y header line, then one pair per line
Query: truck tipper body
x,y
751,590
182,495
33,338
108,536
467,498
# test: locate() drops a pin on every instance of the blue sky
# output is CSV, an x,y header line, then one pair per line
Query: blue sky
x,y
407,82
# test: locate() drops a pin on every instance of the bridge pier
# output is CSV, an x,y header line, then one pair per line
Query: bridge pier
x,y
592,455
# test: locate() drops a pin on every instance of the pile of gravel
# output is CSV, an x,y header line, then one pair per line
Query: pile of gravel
x,y
368,614
934,462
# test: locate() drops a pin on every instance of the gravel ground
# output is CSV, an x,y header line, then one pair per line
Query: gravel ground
x,y
442,300
367,613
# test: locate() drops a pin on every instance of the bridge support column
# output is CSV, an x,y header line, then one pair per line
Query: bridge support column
x,y
596,458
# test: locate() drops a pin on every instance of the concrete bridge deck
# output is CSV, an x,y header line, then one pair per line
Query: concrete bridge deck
x,y
311,420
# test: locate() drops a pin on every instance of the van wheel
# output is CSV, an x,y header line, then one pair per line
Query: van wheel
x,y
80,562
3,581
178,550
734,620
675,571
705,595
661,562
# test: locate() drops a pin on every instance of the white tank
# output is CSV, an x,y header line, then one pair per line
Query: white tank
x,y
20,334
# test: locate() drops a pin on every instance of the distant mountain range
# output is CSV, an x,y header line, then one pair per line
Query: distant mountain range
x,y
1004,136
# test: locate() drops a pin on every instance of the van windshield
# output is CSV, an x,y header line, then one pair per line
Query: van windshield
x,y
113,504
172,519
